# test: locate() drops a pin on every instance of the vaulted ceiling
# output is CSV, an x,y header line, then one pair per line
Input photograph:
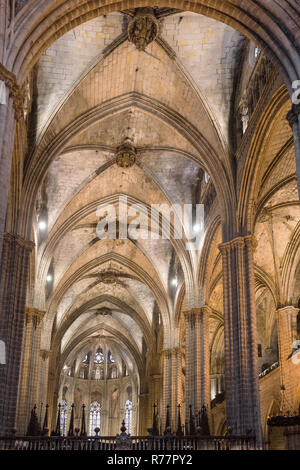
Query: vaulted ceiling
x,y
93,89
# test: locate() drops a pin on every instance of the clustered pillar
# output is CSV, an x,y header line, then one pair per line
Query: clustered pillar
x,y
10,112
30,375
172,388
241,371
293,118
197,357
287,335
14,278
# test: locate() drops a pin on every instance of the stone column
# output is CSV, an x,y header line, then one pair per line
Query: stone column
x,y
14,277
44,369
241,372
293,117
143,410
155,388
10,111
197,355
52,395
28,394
167,384
287,333
172,395
5,12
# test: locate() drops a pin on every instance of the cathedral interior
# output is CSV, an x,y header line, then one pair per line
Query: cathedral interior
x,y
174,104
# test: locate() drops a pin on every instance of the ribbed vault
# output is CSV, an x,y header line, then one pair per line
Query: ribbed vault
x,y
131,294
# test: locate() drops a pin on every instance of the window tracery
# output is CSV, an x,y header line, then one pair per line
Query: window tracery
x,y
95,417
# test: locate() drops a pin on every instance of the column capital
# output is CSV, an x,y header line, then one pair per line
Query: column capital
x,y
172,351
10,238
143,395
45,353
155,376
197,311
293,115
288,309
14,90
238,242
33,313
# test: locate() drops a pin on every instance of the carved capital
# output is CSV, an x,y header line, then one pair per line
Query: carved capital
x,y
288,310
293,115
45,354
172,352
166,353
155,376
14,90
11,239
34,315
197,311
238,242
251,241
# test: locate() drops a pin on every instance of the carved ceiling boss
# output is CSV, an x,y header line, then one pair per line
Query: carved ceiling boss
x,y
143,28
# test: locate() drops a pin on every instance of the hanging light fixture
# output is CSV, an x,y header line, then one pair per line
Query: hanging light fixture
x,y
285,417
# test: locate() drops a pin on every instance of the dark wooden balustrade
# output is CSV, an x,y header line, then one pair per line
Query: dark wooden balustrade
x,y
110,443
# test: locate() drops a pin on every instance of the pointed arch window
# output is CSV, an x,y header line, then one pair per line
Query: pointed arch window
x,y
110,358
63,418
86,360
95,417
206,177
256,52
128,415
99,358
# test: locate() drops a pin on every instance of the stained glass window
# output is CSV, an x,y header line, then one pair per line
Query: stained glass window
x,y
110,357
99,358
256,52
95,416
128,415
86,359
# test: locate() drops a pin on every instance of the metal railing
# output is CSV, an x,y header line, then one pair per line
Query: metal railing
x,y
111,443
